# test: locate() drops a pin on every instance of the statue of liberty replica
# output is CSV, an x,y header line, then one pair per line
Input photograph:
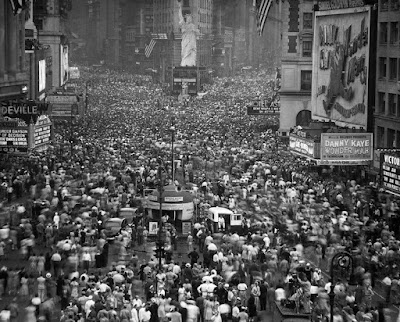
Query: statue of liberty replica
x,y
190,33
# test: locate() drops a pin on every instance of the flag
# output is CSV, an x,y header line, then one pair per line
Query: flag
x,y
18,6
262,9
149,48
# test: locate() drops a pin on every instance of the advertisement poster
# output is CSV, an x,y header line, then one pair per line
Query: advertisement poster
x,y
62,105
13,137
346,148
64,68
341,66
42,131
390,173
153,228
42,75
303,147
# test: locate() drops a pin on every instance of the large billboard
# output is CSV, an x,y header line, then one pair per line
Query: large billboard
x,y
63,106
13,137
42,132
346,148
390,173
341,66
64,67
41,75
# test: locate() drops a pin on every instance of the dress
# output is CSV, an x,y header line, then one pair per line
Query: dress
x,y
24,290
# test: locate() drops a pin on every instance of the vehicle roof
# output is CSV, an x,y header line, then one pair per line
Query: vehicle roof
x,y
220,210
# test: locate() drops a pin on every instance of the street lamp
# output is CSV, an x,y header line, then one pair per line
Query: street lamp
x,y
341,262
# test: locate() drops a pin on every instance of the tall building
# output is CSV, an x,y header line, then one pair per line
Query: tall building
x,y
387,103
49,18
13,77
296,66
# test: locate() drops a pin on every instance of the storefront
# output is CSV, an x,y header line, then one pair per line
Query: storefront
x,y
177,209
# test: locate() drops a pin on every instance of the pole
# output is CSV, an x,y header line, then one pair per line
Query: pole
x,y
344,260
159,246
172,152
70,132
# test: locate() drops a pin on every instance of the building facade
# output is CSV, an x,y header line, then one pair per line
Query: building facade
x,y
387,99
13,77
296,64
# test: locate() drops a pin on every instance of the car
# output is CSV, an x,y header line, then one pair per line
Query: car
x,y
113,226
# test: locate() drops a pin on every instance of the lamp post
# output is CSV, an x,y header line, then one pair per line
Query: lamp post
x,y
160,243
172,128
342,261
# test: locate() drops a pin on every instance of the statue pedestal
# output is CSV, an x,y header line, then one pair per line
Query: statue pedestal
x,y
189,75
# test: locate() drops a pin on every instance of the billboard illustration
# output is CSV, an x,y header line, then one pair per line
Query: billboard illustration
x,y
341,65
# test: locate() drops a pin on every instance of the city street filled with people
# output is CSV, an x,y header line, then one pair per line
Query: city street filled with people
x,y
59,263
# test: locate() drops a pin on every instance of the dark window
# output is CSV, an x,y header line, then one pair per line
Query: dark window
x,y
384,5
398,108
394,32
391,138
292,44
383,33
392,104
393,69
186,3
307,48
307,20
306,80
382,67
381,102
380,137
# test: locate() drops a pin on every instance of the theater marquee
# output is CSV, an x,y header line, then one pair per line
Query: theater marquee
x,y
341,66
346,148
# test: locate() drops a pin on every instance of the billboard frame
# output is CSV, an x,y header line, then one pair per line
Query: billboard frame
x,y
336,109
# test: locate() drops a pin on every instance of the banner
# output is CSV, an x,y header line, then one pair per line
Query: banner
x,y
346,148
341,66
390,173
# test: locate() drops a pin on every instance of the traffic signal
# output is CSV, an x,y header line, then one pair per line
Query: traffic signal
x,y
160,250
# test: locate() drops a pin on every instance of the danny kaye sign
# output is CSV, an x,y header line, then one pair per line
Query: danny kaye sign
x,y
340,66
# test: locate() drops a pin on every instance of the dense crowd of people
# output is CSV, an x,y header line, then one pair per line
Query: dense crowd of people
x,y
296,216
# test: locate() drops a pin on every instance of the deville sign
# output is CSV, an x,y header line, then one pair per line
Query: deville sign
x,y
340,66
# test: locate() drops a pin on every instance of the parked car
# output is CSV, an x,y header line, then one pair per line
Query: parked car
x,y
113,226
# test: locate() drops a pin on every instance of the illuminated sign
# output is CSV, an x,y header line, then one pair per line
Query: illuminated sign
x,y
64,69
42,131
264,107
390,172
42,76
303,147
14,139
339,4
346,148
341,66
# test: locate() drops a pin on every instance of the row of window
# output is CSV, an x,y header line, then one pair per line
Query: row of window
x,y
389,31
206,4
206,18
389,68
388,104
392,138
389,5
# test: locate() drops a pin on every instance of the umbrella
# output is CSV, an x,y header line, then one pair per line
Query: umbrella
x,y
118,278
212,247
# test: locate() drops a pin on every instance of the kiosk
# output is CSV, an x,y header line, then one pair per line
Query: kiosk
x,y
177,208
